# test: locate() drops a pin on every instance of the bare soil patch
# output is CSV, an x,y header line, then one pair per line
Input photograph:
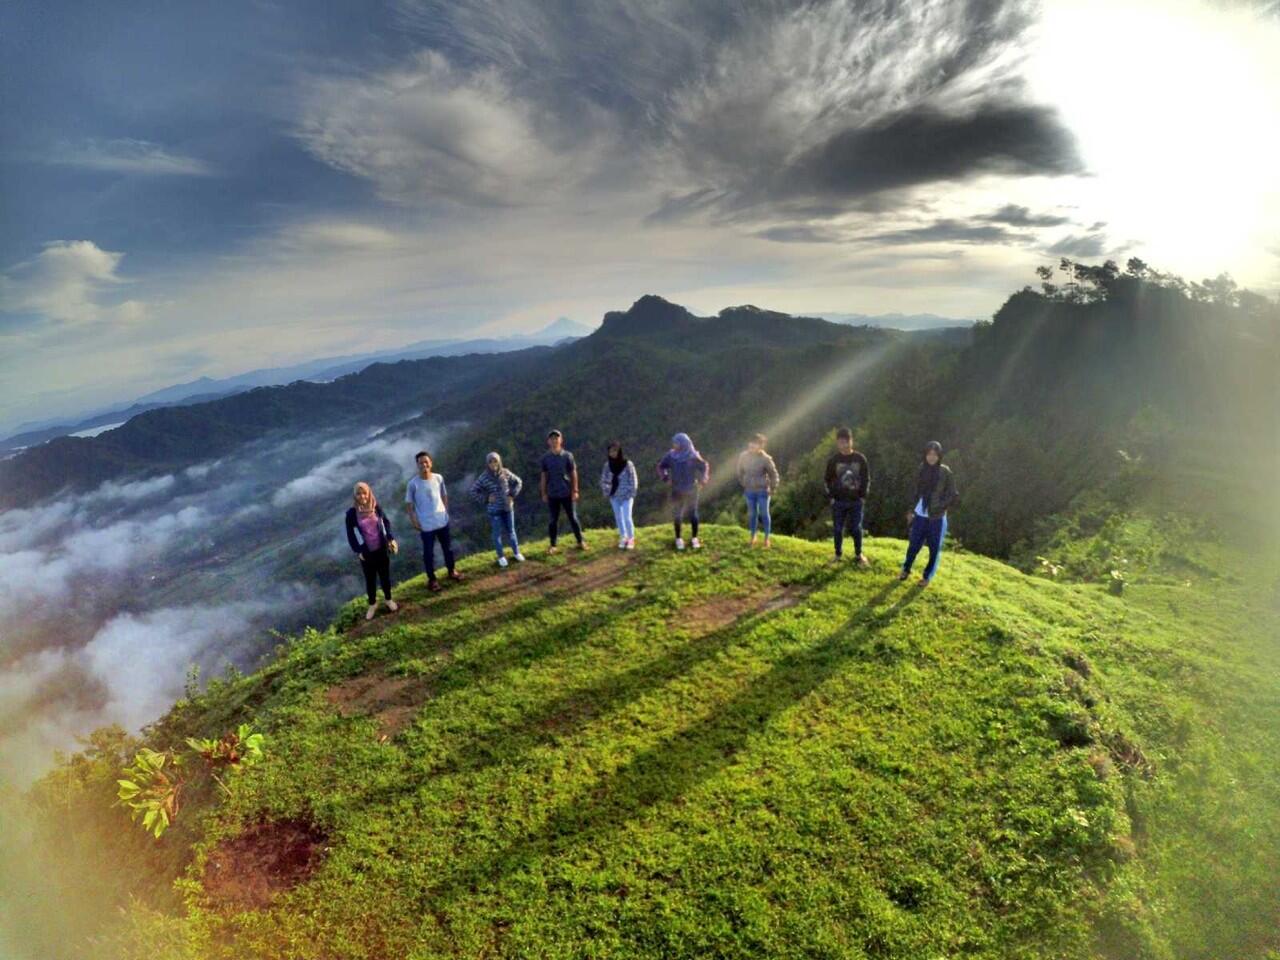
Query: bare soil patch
x,y
393,700
248,871
718,612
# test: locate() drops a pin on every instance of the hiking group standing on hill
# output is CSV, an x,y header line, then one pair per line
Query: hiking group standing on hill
x,y
846,481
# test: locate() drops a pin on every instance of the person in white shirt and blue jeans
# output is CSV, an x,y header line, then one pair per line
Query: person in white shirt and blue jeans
x,y
935,492
427,502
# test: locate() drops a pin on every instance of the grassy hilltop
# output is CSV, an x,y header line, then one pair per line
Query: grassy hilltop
x,y
736,754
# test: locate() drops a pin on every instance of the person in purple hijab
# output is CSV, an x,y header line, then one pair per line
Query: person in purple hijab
x,y
685,469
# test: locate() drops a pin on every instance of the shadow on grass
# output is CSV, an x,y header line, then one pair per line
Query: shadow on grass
x,y
568,713
684,759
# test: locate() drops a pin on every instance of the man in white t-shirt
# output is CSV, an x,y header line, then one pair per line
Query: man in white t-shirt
x,y
427,503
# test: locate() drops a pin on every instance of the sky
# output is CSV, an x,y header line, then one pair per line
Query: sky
x,y
191,189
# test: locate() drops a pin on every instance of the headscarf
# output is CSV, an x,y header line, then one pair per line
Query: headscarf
x,y
373,501
491,458
930,473
684,449
616,466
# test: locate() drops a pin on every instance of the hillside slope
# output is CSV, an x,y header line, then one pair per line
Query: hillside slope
x,y
736,754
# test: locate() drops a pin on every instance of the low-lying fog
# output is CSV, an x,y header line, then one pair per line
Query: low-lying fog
x,y
107,598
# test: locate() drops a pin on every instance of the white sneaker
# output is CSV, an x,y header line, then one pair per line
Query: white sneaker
x,y
502,561
696,543
518,558
679,543
392,606
622,544
373,608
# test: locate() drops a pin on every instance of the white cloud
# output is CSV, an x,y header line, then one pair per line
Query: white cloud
x,y
430,132
337,235
336,476
66,282
21,528
129,673
134,490
201,470
131,157
32,573
141,682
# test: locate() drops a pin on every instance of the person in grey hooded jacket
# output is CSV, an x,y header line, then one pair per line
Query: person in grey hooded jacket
x,y
758,475
496,490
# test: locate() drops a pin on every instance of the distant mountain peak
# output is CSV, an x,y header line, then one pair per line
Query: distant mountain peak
x,y
648,314
564,327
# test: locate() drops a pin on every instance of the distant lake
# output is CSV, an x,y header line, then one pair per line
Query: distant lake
x,y
94,431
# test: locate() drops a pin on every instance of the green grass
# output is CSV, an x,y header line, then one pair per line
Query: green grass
x,y
743,753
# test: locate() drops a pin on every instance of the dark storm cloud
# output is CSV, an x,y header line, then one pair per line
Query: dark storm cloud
x,y
680,206
742,109
1016,216
947,231
1086,245
926,145
799,234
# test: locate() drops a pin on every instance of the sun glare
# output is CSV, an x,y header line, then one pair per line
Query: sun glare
x,y
1174,105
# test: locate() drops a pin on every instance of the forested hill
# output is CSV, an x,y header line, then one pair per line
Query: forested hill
x,y
171,438
1125,386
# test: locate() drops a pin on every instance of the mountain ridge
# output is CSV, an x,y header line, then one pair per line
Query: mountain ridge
x,y
204,389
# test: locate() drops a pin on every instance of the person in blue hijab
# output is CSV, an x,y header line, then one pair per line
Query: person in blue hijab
x,y
687,472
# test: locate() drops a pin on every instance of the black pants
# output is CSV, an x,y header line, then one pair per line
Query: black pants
x,y
377,566
683,502
566,504
429,538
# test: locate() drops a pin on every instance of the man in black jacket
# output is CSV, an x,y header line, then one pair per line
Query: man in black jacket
x,y
847,480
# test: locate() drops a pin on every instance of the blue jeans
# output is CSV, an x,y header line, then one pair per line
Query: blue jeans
x,y
503,523
926,531
758,511
622,516
847,515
